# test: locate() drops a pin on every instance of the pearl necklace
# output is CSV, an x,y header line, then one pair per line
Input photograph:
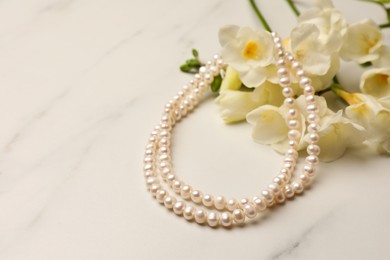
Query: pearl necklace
x,y
228,212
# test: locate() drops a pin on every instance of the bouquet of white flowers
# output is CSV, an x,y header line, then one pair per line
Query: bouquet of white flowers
x,y
321,38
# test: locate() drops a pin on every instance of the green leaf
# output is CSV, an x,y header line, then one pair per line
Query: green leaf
x,y
185,68
195,53
216,84
193,63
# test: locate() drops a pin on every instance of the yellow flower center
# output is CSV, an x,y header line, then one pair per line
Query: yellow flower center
x,y
251,50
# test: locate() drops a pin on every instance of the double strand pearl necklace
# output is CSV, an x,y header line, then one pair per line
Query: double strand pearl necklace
x,y
217,210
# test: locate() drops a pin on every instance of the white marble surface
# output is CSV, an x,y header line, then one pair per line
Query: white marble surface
x,y
83,83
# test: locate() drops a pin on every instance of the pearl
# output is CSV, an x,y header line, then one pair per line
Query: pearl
x,y
219,202
148,174
294,134
274,188
292,153
292,113
285,81
268,196
179,207
176,186
160,195
196,196
309,90
288,191
208,200
259,203
309,170
287,92
188,213
200,216
250,211
231,204
314,137
243,202
300,73
298,188
154,188
296,65
313,149
289,102
278,181
165,172
313,127
282,72
213,219
148,167
310,98
293,124
238,216
304,81
313,118
226,219
169,201
305,179
171,177
281,63
312,108
185,191
151,180
280,198
312,159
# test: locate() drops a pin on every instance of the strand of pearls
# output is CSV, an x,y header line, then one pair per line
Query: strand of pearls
x,y
195,205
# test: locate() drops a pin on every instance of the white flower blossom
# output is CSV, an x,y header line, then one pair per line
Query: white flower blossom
x,y
363,42
383,59
373,114
270,127
376,82
331,24
337,134
320,61
235,105
250,53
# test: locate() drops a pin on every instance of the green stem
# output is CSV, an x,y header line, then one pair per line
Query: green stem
x,y
260,16
319,93
293,7
385,25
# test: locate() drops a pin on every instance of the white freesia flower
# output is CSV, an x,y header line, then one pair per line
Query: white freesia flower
x,y
330,22
319,60
363,42
231,81
383,59
250,53
376,82
270,127
337,134
373,114
234,105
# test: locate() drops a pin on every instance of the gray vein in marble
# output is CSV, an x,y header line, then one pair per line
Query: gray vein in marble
x,y
287,251
56,100
57,6
214,8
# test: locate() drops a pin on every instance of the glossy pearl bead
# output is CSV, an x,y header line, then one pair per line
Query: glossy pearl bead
x,y
213,219
169,201
188,213
238,216
219,202
226,219
231,204
208,200
179,207
200,216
